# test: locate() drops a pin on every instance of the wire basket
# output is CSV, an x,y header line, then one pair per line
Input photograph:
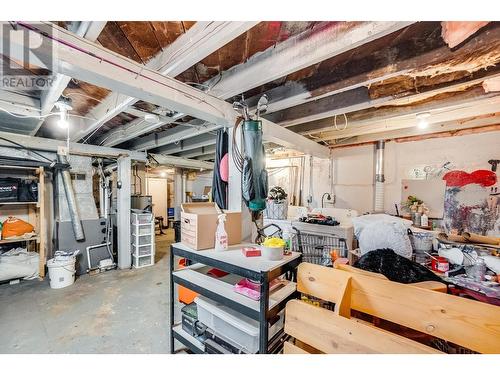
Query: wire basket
x,y
316,248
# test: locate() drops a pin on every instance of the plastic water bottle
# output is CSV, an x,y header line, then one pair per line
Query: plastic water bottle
x,y
287,239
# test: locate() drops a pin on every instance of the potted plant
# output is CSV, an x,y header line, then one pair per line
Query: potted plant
x,y
277,204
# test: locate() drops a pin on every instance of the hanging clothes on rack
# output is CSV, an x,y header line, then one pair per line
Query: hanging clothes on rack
x,y
221,169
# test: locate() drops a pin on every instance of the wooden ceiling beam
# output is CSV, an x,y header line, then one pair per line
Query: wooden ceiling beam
x,y
305,49
199,41
360,99
308,48
387,107
402,118
175,161
396,58
90,30
198,152
187,144
488,123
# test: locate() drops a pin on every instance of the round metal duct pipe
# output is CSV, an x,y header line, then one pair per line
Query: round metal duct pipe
x,y
379,176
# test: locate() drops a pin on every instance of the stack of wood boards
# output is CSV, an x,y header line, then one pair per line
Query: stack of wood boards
x,y
467,323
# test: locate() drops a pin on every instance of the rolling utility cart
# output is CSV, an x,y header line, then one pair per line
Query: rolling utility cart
x,y
220,291
143,238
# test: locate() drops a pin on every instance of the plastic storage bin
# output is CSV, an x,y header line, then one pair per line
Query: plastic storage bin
x,y
139,217
141,240
141,230
142,250
139,262
231,324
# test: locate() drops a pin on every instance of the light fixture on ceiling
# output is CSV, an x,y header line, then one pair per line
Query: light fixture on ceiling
x,y
422,119
64,106
151,118
163,174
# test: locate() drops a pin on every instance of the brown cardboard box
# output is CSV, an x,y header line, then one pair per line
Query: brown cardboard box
x,y
199,223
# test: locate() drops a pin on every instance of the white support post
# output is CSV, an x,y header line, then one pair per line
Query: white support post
x,y
178,193
123,212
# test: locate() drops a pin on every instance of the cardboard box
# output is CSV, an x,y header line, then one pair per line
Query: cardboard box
x,y
199,223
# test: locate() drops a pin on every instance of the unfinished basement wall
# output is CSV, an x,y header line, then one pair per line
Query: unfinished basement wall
x,y
354,172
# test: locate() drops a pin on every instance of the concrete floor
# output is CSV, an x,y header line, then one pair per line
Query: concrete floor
x,y
120,311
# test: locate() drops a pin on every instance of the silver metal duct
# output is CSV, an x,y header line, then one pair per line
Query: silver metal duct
x,y
71,199
379,176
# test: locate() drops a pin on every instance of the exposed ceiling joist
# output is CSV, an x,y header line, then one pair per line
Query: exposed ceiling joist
x,y
202,39
188,144
386,64
19,104
94,64
81,59
174,135
179,162
89,30
454,110
446,126
197,152
306,49
53,145
206,157
278,136
359,99
289,56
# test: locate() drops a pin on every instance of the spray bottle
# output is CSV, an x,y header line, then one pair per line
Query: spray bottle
x,y
221,235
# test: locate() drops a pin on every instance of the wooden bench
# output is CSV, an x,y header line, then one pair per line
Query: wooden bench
x,y
470,324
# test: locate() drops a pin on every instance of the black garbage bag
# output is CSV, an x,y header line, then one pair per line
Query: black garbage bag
x,y
395,267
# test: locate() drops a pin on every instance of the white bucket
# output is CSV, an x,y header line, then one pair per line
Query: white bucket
x,y
272,253
61,272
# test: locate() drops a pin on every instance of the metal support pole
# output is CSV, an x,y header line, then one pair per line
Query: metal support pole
x,y
178,193
264,305
123,214
172,299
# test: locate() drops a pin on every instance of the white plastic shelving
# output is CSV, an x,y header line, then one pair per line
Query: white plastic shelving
x,y
142,238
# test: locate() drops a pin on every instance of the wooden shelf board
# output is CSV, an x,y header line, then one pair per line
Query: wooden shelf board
x,y
16,203
34,238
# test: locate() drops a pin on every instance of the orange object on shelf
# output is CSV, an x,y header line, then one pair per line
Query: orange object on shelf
x,y
14,227
186,295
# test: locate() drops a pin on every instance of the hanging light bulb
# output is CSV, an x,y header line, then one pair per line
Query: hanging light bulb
x,y
422,119
63,119
63,105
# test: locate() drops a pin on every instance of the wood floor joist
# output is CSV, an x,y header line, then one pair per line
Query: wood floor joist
x,y
301,51
198,42
81,59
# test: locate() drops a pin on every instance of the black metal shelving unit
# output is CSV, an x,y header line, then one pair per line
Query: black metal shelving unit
x,y
233,262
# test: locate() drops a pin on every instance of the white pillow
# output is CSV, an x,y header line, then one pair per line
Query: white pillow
x,y
385,235
361,222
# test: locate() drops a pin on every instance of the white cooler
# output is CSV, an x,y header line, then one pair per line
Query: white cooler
x,y
231,324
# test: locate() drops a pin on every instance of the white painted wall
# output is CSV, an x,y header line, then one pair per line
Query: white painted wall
x,y
354,166
202,179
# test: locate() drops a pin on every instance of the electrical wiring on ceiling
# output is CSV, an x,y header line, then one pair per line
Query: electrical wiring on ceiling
x,y
345,122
